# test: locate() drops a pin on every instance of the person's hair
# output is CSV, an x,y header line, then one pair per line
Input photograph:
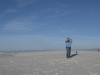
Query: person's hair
x,y
68,38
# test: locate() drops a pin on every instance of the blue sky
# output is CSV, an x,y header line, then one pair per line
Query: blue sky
x,y
45,24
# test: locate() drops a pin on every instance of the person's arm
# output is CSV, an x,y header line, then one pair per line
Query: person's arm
x,y
71,40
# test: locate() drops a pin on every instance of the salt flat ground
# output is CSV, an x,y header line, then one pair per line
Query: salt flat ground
x,y
50,63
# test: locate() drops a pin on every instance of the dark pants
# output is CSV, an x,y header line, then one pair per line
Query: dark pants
x,y
68,52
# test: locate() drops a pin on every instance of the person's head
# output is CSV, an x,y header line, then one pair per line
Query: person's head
x,y
68,38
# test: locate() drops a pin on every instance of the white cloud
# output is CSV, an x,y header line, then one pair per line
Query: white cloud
x,y
85,42
30,42
56,12
65,30
59,4
21,3
19,26
7,11
11,10
42,42
62,29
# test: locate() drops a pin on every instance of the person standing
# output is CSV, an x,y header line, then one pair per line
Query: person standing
x,y
98,50
68,47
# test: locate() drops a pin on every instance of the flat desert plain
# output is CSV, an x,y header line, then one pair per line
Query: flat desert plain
x,y
50,63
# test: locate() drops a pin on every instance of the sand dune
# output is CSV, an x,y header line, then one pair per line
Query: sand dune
x,y
50,63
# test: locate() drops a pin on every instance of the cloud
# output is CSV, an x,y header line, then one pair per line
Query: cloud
x,y
21,25
92,38
14,25
8,11
57,12
65,30
30,42
85,42
21,3
60,9
42,42
59,4
11,10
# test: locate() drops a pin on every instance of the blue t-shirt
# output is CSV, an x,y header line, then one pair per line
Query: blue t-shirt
x,y
68,43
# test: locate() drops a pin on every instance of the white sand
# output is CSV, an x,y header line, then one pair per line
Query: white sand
x,y
50,63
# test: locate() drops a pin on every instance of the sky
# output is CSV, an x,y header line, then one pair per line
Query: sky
x,y
45,24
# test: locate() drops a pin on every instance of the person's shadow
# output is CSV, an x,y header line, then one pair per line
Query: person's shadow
x,y
73,55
